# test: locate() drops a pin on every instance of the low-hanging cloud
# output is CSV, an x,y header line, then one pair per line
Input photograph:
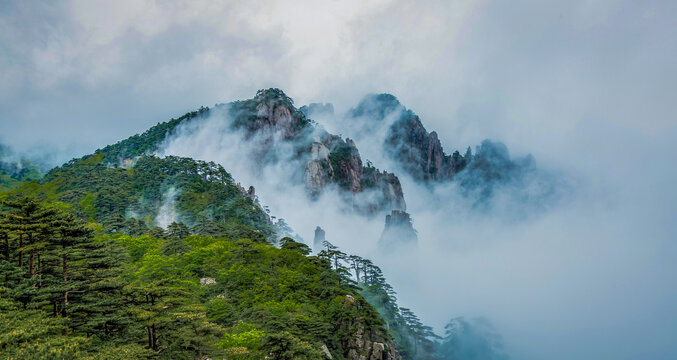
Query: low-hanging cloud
x,y
167,213
586,87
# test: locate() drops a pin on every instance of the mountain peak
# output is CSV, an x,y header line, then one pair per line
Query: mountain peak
x,y
273,95
377,106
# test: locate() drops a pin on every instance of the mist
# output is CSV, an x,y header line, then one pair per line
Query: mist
x,y
585,274
167,213
585,87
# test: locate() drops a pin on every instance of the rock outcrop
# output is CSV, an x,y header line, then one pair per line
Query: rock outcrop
x,y
398,230
319,173
420,153
365,343
269,113
405,140
326,351
281,132
347,165
319,239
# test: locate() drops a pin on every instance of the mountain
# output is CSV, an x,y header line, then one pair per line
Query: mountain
x,y
192,294
420,152
270,121
490,171
153,192
132,253
325,160
139,256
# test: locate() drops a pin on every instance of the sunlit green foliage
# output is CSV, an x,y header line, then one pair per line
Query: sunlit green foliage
x,y
96,295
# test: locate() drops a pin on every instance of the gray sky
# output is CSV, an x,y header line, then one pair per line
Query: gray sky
x,y
81,74
588,87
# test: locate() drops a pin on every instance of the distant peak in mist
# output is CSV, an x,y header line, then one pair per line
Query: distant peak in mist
x,y
484,178
376,107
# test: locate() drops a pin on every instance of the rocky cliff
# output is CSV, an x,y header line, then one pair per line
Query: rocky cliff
x,y
365,343
271,121
420,154
404,138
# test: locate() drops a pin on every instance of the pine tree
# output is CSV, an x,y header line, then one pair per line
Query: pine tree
x,y
290,244
178,230
30,223
76,276
337,259
173,243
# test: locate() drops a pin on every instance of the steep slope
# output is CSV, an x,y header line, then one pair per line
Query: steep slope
x,y
405,139
269,121
130,193
420,154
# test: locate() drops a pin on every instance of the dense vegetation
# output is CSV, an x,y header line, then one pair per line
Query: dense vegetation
x,y
70,290
129,200
86,269
414,339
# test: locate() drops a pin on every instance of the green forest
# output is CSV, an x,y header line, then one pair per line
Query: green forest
x,y
86,273
72,291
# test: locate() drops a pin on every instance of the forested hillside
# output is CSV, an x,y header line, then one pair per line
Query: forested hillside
x,y
87,273
72,291
131,200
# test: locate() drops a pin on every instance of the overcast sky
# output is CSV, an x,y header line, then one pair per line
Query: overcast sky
x,y
587,87
78,75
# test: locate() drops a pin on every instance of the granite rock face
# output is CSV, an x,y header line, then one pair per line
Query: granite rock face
x,y
477,177
319,239
318,172
366,344
404,138
419,152
280,132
